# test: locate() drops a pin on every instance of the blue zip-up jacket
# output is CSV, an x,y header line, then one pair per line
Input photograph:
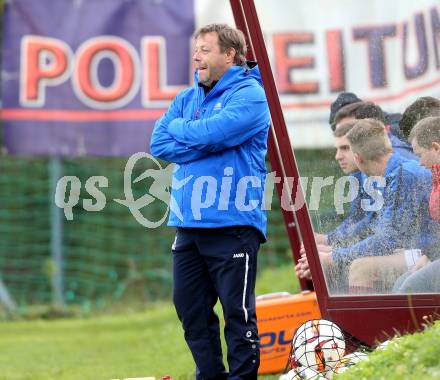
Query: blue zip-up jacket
x,y
219,142
402,147
398,141
403,221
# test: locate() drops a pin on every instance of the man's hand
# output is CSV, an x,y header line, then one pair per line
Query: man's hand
x,y
302,268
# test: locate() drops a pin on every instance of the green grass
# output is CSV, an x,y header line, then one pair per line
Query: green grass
x,y
412,357
150,343
105,347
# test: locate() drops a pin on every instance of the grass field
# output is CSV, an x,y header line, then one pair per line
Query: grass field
x,y
105,347
133,344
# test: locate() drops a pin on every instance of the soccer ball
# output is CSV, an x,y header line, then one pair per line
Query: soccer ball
x,y
310,374
383,345
318,345
349,361
302,373
291,375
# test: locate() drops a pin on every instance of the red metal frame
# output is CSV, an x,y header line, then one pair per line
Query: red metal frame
x,y
368,318
275,151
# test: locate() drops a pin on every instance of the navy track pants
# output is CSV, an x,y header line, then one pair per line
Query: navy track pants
x,y
211,264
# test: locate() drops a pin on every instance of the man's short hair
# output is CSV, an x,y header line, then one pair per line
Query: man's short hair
x,y
360,110
369,110
418,110
369,139
426,131
228,38
344,128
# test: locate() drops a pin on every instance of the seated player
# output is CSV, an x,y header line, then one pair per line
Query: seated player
x,y
358,219
370,274
425,276
422,108
402,221
350,113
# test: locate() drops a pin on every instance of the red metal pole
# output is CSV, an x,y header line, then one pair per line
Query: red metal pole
x,y
385,314
257,51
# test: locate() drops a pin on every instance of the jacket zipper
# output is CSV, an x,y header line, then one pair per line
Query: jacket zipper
x,y
195,113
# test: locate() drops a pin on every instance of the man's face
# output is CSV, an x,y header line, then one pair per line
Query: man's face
x,y
208,59
344,155
428,156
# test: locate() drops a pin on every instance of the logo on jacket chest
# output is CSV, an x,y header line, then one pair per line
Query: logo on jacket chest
x,y
217,106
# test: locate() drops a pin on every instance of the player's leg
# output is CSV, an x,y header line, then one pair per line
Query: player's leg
x,y
424,280
231,255
376,273
194,297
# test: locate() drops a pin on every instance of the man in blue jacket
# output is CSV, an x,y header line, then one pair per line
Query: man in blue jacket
x,y
216,131
403,221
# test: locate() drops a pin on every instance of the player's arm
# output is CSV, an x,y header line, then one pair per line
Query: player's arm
x,y
350,231
400,210
243,115
165,146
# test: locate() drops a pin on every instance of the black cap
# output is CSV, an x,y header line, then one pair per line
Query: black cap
x,y
342,100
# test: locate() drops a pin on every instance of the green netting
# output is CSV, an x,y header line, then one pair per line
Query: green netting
x,y
107,255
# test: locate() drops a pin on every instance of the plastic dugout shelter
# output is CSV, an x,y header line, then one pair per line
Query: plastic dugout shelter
x,y
369,318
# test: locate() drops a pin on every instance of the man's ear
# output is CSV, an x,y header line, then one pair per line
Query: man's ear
x,y
230,55
436,147
357,159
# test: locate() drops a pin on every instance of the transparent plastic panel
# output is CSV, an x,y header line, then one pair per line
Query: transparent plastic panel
x,y
346,72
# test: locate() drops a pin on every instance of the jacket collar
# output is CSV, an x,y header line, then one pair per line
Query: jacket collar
x,y
234,74
206,88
